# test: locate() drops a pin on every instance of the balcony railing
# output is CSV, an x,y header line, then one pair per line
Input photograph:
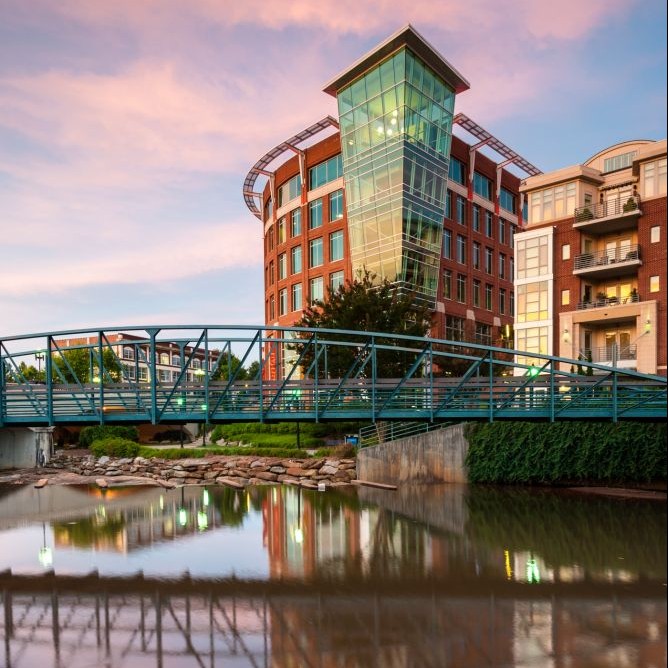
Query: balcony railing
x,y
609,301
610,353
607,209
606,257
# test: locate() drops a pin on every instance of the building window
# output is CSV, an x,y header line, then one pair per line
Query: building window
x,y
447,284
565,297
447,244
335,280
336,205
336,246
326,171
268,209
272,307
270,238
488,296
457,171
489,260
488,224
532,302
476,292
502,265
316,289
618,162
283,302
511,302
482,186
502,231
532,259
483,334
461,249
566,252
296,223
553,203
282,266
654,178
461,210
511,234
296,297
290,190
655,234
176,360
315,252
507,200
455,328
654,284
461,288
280,231
476,255
476,218
195,364
531,340
448,204
296,259
502,301
315,214
512,268
143,373
128,353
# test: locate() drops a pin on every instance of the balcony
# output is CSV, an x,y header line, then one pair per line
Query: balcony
x,y
621,261
609,301
607,216
612,355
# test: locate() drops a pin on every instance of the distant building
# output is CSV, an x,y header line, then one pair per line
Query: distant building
x,y
389,189
590,280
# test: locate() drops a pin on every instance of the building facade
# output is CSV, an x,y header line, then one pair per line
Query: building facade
x,y
590,278
389,189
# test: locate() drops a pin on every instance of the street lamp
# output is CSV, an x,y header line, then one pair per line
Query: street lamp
x,y
39,357
200,375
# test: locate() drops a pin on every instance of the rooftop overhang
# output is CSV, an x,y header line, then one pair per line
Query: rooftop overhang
x,y
575,172
405,37
291,146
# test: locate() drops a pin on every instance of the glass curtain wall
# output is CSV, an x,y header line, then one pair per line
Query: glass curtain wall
x,y
396,129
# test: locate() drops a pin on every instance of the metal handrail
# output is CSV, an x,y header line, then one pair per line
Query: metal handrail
x,y
610,353
588,212
609,301
606,257
383,432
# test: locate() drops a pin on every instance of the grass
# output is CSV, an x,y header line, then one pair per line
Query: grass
x,y
186,453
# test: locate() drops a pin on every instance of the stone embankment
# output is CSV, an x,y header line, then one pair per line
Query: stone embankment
x,y
230,470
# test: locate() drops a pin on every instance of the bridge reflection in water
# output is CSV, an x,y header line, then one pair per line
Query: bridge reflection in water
x,y
438,576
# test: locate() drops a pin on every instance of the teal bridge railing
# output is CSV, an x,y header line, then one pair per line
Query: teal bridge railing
x,y
179,374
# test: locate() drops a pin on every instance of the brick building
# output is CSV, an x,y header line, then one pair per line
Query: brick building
x,y
387,188
591,266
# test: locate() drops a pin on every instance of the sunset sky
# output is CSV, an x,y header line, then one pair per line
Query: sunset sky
x,y
127,128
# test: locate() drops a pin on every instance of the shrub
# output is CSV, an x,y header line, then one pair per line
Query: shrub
x,y
561,452
115,447
630,205
103,431
180,453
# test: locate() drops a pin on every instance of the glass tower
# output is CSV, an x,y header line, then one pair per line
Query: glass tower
x,y
396,127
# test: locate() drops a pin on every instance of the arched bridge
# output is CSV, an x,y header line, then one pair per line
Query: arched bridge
x,y
177,374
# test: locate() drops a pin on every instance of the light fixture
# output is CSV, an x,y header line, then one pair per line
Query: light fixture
x,y
648,326
566,336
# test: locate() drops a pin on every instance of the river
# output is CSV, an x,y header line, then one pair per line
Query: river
x,y
280,576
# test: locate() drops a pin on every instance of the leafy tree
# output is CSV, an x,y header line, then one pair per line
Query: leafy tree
x,y
365,304
82,361
227,367
31,374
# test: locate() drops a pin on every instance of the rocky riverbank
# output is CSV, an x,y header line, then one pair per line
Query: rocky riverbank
x,y
234,471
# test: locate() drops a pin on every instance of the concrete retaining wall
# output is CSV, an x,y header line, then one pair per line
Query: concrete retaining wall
x,y
437,456
25,448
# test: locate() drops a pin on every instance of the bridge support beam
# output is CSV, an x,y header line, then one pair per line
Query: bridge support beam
x,y
26,447
435,456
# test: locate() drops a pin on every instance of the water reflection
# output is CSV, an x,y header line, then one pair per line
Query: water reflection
x,y
279,576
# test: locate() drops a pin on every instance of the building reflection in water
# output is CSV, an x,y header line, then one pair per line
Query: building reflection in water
x,y
432,577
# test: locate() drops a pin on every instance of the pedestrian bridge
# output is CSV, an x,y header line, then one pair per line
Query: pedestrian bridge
x,y
177,374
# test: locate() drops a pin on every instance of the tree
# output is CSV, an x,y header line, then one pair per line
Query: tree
x,y
364,304
82,361
227,367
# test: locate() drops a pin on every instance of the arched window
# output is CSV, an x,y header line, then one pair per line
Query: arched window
x,y
128,353
164,358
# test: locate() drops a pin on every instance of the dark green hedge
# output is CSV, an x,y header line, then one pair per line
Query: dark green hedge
x,y
181,453
89,434
115,447
535,452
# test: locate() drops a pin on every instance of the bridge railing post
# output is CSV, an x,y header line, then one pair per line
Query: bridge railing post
x,y
374,377
49,378
2,387
315,375
153,375
614,395
100,363
552,391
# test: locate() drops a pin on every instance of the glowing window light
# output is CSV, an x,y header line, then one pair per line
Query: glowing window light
x,y
183,517
202,520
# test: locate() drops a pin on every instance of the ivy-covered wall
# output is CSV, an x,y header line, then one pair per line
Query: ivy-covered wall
x,y
560,452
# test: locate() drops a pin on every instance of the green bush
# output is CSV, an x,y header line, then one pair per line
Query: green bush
x,y
102,431
180,453
530,452
114,447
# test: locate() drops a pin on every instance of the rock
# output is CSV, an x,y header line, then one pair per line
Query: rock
x,y
224,480
42,482
179,474
294,470
328,469
103,461
277,469
102,483
257,464
113,472
287,479
266,475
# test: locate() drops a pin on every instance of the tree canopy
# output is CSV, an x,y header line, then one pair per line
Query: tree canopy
x,y
365,305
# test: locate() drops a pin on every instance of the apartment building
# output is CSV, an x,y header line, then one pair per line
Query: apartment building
x,y
590,277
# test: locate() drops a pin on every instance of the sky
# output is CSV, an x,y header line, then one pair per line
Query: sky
x,y
127,128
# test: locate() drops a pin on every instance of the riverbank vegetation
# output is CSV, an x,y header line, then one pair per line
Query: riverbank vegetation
x,y
566,452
